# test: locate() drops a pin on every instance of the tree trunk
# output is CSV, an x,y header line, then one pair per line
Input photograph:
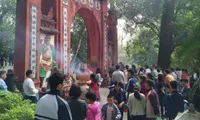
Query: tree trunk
x,y
166,34
79,43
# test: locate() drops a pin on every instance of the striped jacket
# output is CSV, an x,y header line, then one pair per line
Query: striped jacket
x,y
52,107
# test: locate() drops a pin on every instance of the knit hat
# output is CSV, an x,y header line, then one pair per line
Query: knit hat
x,y
137,84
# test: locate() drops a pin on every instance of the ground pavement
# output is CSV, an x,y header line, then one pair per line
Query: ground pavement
x,y
104,93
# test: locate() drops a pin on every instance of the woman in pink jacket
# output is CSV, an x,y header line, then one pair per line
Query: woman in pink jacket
x,y
94,110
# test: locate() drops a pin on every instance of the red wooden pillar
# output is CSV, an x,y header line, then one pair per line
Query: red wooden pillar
x,y
104,28
59,37
27,37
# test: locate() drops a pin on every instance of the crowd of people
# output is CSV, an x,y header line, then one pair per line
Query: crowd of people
x,y
152,92
6,59
147,93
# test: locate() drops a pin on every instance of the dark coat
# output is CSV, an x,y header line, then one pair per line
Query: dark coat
x,y
174,103
120,97
185,92
11,82
78,108
131,82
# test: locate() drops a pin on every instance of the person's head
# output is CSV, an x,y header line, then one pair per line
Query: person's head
x,y
143,78
174,85
168,88
146,66
90,97
184,71
118,86
130,73
29,74
93,78
178,69
3,75
137,88
53,70
98,70
117,67
47,39
153,67
172,70
141,69
150,76
149,84
160,77
184,82
75,91
56,81
158,70
127,67
167,72
10,72
110,99
133,67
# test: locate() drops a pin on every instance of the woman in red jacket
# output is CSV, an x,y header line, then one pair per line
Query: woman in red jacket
x,y
94,86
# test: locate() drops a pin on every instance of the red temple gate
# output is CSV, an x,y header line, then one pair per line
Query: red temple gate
x,y
43,35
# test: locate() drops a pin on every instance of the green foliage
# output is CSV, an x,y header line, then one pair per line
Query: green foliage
x,y
13,107
145,15
187,55
141,12
7,24
143,50
187,50
77,26
142,22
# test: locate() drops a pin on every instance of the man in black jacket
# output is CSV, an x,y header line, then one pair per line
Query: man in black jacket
x,y
174,102
78,107
184,88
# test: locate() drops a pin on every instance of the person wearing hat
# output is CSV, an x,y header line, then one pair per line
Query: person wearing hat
x,y
137,104
11,80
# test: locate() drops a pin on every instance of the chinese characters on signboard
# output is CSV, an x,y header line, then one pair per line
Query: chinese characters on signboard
x,y
33,38
65,2
105,44
91,3
65,37
83,1
97,5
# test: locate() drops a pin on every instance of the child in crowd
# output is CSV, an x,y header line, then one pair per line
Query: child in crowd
x,y
119,96
94,111
110,111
